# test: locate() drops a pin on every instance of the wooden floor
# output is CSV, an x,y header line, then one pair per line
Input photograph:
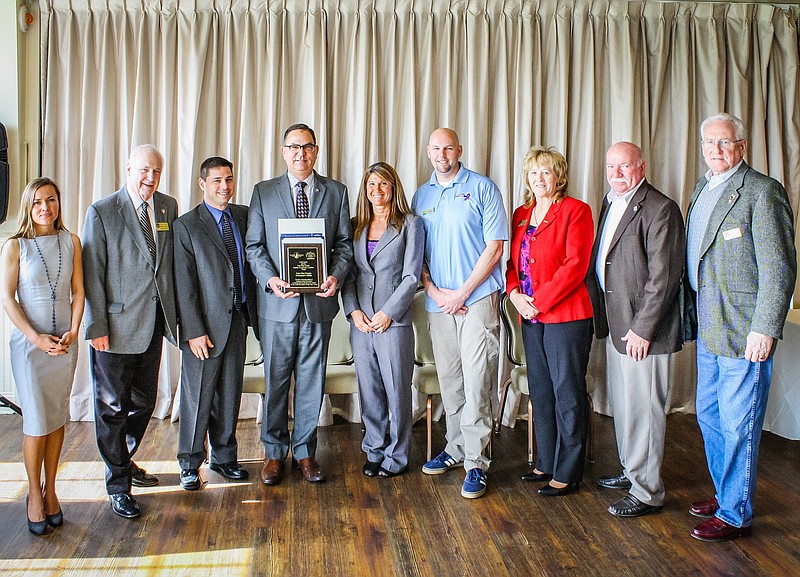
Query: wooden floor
x,y
411,525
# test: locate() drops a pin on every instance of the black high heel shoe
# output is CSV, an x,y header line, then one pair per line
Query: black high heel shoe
x,y
550,491
387,474
56,519
371,469
38,528
534,477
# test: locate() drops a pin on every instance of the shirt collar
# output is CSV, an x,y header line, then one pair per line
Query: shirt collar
x,y
716,180
137,201
217,213
460,177
309,182
612,196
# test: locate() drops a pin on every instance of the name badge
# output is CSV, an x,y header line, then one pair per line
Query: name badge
x,y
428,211
732,233
162,227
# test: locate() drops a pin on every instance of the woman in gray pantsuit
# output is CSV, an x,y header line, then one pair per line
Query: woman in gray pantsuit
x,y
388,242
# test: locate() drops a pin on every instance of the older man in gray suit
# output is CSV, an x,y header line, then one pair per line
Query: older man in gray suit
x,y
637,265
295,329
217,301
130,308
741,261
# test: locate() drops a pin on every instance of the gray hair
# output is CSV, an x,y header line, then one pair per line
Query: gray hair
x,y
738,125
146,149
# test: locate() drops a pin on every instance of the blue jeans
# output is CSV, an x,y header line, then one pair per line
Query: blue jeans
x,y
731,402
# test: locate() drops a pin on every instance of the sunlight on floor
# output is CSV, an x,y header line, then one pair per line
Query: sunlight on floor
x,y
230,562
85,481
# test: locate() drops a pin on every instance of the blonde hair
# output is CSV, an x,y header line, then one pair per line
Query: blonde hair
x,y
547,158
26,228
364,212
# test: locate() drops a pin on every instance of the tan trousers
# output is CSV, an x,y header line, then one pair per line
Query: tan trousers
x,y
466,349
637,392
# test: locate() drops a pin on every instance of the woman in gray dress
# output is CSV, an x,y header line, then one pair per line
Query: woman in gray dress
x,y
388,243
42,294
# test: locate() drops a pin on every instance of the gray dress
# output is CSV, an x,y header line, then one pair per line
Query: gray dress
x,y
43,381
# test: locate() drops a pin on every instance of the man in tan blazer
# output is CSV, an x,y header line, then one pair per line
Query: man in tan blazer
x,y
634,280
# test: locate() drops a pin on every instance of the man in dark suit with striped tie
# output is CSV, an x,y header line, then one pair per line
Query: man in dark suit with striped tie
x,y
217,294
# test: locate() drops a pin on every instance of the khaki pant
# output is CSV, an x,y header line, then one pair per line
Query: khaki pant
x,y
637,392
466,349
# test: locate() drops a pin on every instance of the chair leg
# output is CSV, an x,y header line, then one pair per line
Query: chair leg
x,y
502,407
531,437
429,419
591,429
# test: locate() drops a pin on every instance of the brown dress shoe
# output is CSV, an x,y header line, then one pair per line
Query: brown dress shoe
x,y
715,529
311,470
272,472
705,508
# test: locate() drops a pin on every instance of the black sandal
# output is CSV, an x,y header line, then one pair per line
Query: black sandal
x,y
371,469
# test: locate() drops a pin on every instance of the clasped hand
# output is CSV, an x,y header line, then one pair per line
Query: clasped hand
x,y
53,345
449,301
524,304
378,324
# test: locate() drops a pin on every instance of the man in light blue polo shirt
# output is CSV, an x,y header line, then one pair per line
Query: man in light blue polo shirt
x,y
465,226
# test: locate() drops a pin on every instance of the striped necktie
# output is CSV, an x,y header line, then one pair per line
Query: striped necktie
x,y
144,221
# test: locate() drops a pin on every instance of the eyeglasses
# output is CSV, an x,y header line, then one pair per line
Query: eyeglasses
x,y
295,148
724,143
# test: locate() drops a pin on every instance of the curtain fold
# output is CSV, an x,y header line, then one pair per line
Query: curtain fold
x,y
375,77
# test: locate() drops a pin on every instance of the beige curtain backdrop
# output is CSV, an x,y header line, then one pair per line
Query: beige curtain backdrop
x,y
206,77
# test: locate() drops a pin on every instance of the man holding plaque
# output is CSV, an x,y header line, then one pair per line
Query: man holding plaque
x,y
295,325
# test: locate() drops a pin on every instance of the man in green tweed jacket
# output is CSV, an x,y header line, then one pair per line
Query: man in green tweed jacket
x,y
741,262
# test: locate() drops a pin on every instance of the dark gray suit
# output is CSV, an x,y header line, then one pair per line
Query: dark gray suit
x,y
132,302
385,361
211,389
295,332
643,270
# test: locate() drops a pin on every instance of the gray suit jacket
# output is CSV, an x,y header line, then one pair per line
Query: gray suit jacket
x,y
204,277
272,199
122,288
748,263
388,280
643,272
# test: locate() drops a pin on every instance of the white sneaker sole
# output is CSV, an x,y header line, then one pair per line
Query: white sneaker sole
x,y
467,495
440,471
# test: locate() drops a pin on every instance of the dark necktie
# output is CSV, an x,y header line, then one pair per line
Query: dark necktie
x,y
302,200
144,221
233,255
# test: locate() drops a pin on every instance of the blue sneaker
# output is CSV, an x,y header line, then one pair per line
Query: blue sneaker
x,y
475,484
441,463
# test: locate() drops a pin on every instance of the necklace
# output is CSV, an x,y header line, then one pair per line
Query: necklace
x,y
53,285
537,221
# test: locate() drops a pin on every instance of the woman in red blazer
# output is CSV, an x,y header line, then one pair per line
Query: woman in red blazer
x,y
551,246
